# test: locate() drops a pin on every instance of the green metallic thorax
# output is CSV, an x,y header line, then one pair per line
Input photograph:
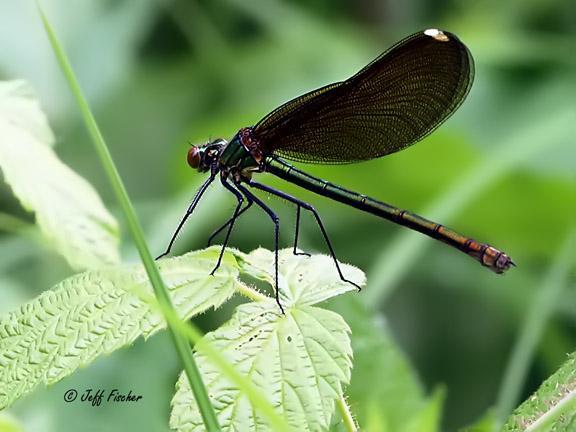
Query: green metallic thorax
x,y
235,155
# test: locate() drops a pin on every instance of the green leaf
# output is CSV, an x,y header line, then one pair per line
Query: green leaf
x,y
300,360
68,210
303,280
99,311
385,390
552,407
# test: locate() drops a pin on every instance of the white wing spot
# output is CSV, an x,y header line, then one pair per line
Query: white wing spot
x,y
439,35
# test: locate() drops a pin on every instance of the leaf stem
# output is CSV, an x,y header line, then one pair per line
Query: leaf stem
x,y
182,347
346,414
251,293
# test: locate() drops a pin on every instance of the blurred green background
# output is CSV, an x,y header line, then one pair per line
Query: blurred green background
x,y
162,74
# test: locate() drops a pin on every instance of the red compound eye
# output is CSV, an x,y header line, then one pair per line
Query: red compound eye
x,y
194,157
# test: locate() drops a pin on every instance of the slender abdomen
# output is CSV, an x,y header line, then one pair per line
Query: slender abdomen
x,y
487,255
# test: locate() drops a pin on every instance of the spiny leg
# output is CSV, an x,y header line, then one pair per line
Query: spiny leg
x,y
276,221
316,215
240,199
191,208
219,230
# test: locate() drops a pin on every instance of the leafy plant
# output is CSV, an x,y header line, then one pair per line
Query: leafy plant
x,y
68,211
300,360
260,370
97,312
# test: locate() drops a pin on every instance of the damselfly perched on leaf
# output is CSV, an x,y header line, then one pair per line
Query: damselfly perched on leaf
x,y
393,102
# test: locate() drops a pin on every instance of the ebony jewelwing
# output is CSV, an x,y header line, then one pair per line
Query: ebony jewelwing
x,y
392,103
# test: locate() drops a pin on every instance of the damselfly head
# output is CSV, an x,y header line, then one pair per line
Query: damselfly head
x,y
194,157
203,157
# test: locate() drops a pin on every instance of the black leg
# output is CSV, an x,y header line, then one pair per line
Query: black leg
x,y
316,215
276,221
240,199
219,230
191,208
295,250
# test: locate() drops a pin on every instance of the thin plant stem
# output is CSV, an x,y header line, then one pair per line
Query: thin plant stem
x,y
182,347
346,415
252,293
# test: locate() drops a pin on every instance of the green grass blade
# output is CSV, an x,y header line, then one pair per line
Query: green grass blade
x,y
535,322
183,348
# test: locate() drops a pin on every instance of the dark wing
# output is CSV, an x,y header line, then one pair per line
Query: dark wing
x,y
395,101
